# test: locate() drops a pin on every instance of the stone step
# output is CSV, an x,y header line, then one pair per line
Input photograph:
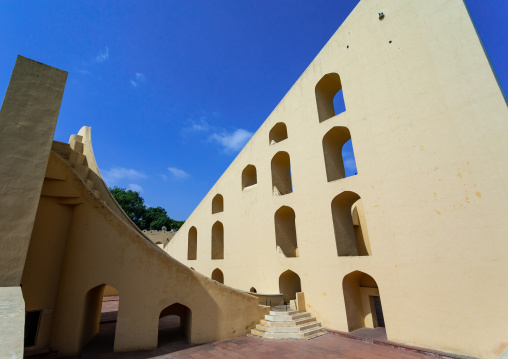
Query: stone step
x,y
289,329
289,312
288,323
286,318
307,334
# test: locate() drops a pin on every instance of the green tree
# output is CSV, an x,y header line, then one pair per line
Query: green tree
x,y
144,217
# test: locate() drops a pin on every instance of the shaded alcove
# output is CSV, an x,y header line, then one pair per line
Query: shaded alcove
x,y
218,241
278,133
281,174
285,231
249,177
289,285
96,318
218,276
253,290
338,154
329,97
349,225
192,244
217,204
362,301
175,322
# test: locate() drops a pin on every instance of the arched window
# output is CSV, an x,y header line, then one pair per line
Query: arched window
x,y
174,316
249,177
338,153
329,97
217,204
285,232
362,300
289,285
281,174
253,290
278,133
218,276
351,237
192,246
218,241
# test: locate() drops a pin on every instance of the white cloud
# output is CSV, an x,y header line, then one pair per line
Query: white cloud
x,y
103,56
350,164
164,177
232,141
115,174
135,187
139,78
178,173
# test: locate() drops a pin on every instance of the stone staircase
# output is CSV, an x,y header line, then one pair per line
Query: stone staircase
x,y
288,325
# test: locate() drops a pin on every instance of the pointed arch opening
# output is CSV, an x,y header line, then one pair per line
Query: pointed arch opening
x,y
192,244
278,133
218,276
285,231
349,224
249,177
175,323
218,241
281,174
329,97
253,290
217,204
338,154
289,285
362,301
100,312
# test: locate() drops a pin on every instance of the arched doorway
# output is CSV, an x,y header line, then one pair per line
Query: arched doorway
x,y
329,97
218,241
289,285
175,323
218,276
285,231
363,301
100,312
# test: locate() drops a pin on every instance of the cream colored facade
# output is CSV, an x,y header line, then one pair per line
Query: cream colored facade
x,y
423,224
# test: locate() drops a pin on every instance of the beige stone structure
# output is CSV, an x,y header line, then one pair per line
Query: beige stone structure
x,y
65,243
421,229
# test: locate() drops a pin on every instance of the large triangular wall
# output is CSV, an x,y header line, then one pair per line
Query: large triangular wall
x,y
428,123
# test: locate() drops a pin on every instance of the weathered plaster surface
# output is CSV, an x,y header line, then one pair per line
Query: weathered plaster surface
x,y
12,322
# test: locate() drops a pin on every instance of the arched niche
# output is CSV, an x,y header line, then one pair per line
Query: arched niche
x,y
350,227
289,285
174,315
281,174
217,204
192,244
218,241
285,231
362,301
329,97
338,154
278,133
253,290
249,177
218,276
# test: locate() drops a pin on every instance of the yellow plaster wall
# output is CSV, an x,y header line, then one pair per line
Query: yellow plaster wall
x,y
429,125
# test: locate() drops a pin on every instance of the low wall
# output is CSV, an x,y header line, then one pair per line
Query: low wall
x,y
269,299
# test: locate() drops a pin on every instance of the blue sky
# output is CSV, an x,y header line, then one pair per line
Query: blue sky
x,y
174,89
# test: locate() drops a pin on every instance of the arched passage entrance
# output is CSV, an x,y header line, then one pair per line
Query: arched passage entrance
x,y
175,322
289,285
363,301
100,311
218,275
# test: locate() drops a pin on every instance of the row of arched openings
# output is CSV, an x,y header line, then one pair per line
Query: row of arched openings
x,y
349,225
217,242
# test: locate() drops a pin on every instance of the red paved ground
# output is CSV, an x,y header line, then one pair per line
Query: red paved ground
x,y
172,345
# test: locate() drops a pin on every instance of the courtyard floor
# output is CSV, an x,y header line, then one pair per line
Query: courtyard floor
x,y
172,344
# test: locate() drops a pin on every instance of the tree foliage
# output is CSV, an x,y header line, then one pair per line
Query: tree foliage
x,y
144,217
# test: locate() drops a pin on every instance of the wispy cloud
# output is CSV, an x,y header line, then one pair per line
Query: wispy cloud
x,y
139,78
103,56
116,174
178,173
233,141
135,187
